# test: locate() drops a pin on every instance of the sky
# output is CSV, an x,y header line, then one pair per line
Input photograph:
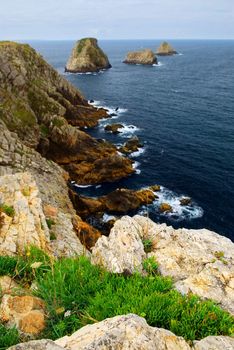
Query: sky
x,y
121,19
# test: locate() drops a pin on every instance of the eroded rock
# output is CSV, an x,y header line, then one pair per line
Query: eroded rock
x,y
87,56
145,57
165,49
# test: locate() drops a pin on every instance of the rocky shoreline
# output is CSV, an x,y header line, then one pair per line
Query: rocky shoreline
x,y
43,150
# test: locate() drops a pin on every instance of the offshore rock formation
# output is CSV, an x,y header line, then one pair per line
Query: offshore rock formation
x,y
145,57
126,332
45,111
199,261
87,56
165,49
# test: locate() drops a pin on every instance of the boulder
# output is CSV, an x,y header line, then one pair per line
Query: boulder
x,y
114,128
165,207
27,313
132,145
8,285
185,201
145,57
43,344
165,49
214,343
87,56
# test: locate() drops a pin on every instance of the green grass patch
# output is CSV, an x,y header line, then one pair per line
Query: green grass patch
x,y
8,210
148,245
8,337
77,293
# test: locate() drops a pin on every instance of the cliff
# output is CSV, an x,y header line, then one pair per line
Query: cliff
x,y
87,56
165,49
46,112
145,57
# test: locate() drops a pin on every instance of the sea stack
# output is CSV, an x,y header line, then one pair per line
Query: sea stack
x,y
146,57
166,49
87,56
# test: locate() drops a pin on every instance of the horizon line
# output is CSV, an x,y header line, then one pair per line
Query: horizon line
x,y
111,39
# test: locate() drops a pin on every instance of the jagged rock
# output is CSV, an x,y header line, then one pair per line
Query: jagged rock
x,y
125,332
8,285
87,234
24,222
122,333
165,49
122,251
155,188
215,343
87,56
199,261
145,57
185,201
114,128
45,110
165,207
132,145
24,312
43,344
119,201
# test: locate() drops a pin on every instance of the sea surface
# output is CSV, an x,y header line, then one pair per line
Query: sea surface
x,y
183,111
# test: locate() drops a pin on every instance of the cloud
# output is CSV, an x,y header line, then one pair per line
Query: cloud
x,y
59,19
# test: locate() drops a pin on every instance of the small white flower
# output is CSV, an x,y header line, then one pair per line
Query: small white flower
x,y
36,264
67,313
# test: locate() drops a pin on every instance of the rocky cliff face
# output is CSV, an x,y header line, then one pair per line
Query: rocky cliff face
x,y
87,56
199,261
46,112
165,49
145,57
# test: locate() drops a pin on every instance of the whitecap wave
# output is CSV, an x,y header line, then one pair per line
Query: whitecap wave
x,y
82,186
135,166
107,217
137,153
159,64
179,212
128,129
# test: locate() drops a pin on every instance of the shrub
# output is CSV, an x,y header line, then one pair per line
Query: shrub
x,y
50,223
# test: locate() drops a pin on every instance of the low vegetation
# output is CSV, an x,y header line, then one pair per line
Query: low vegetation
x,y
77,293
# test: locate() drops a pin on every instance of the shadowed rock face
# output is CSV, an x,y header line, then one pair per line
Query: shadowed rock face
x,y
46,112
87,56
145,57
165,49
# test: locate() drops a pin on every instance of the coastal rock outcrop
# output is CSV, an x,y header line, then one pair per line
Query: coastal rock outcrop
x,y
45,111
145,57
119,201
125,332
87,56
199,261
165,49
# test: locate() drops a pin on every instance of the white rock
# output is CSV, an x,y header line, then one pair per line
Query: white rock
x,y
129,332
215,343
123,250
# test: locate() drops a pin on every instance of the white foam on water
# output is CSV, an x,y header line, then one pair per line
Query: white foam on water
x,y
98,186
135,166
107,217
180,54
159,64
128,129
82,186
179,212
137,153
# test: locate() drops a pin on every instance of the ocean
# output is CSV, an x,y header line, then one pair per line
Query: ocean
x,y
182,110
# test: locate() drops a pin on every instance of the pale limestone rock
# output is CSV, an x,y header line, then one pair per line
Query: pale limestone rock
x,y
200,261
7,285
122,333
43,344
27,226
24,312
215,343
123,250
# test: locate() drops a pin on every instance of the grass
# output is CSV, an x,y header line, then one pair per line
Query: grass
x,y
77,293
8,210
148,245
8,337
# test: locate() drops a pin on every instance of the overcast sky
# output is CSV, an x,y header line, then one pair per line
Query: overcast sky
x,y
116,19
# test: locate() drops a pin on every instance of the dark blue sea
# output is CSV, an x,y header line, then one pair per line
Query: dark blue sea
x,y
183,112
